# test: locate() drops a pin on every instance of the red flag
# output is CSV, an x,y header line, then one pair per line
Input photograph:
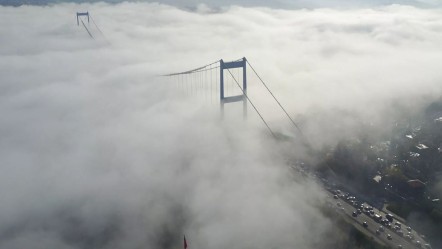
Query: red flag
x,y
185,242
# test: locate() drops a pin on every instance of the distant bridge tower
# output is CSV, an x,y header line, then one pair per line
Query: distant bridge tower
x,y
242,97
82,14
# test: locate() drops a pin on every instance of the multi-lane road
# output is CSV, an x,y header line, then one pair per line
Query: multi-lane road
x,y
372,228
346,209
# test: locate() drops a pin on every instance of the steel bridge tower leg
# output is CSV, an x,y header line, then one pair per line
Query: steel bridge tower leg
x,y
221,87
244,87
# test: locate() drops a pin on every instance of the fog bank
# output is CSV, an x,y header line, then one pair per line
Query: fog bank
x,y
97,151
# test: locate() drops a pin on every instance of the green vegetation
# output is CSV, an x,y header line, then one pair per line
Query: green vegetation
x,y
403,210
436,216
362,241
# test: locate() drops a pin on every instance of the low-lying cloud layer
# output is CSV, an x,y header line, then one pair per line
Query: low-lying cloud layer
x,y
98,152
250,3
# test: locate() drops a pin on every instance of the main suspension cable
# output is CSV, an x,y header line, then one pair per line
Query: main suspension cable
x,y
84,25
254,107
96,25
271,93
195,70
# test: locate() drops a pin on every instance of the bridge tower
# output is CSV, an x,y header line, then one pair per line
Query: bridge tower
x,y
82,14
242,97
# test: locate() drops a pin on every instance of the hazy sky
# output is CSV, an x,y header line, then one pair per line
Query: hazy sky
x,y
273,4
97,151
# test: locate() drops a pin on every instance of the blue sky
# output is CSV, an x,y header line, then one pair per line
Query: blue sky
x,y
273,4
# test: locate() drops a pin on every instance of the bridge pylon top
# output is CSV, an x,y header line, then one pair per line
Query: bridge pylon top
x,y
242,63
82,14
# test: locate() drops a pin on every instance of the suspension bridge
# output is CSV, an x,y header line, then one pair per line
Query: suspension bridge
x,y
229,80
226,78
84,15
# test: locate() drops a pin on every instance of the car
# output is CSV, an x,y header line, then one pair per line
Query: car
x,y
409,238
354,214
386,223
418,244
378,232
365,224
381,228
409,229
399,246
427,246
371,212
339,204
389,217
377,217
397,224
335,196
389,237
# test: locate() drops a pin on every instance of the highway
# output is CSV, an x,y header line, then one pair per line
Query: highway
x,y
341,205
346,209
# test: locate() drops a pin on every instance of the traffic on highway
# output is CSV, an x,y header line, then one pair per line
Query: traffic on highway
x,y
382,227
377,224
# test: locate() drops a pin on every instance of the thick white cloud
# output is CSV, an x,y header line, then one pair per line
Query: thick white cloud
x,y
98,152
287,4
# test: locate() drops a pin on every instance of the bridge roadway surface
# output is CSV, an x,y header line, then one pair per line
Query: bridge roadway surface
x,y
370,230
